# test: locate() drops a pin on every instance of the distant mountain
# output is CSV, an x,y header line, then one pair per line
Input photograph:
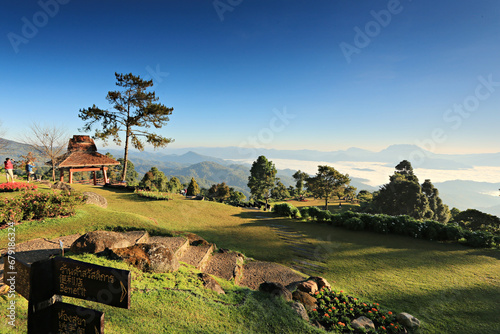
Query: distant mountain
x,y
420,158
470,195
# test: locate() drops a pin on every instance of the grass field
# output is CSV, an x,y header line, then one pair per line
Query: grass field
x,y
449,287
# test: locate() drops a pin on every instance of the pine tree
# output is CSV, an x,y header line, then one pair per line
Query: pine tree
x,y
193,189
135,112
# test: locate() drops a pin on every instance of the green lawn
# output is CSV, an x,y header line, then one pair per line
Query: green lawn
x,y
449,287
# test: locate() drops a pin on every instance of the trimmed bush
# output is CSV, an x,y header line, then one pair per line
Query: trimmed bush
x,y
286,210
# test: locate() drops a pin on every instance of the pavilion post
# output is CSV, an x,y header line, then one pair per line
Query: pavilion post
x,y
95,178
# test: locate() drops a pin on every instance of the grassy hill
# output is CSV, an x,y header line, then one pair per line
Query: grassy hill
x,y
449,287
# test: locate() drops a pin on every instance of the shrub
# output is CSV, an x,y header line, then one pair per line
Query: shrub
x,y
286,210
32,205
354,223
304,212
478,239
155,195
453,232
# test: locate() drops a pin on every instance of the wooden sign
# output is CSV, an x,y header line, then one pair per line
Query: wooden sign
x,y
43,282
62,318
88,281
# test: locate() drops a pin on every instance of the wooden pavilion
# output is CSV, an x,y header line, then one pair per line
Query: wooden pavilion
x,y
82,156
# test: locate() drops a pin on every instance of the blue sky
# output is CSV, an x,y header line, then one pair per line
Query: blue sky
x,y
323,75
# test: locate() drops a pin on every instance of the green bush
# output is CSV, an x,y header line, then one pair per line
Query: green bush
x,y
286,210
355,224
453,232
32,205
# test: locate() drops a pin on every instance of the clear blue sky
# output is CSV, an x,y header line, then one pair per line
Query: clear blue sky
x,y
231,68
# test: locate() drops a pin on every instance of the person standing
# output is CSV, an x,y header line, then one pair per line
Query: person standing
x,y
9,170
29,169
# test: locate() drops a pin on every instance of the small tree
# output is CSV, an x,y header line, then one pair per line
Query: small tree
x,y
236,196
154,179
48,141
261,179
300,177
193,189
280,192
220,192
135,112
326,181
438,210
174,185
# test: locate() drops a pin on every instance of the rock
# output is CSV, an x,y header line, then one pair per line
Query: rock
x,y
196,240
276,289
306,299
210,283
308,286
97,241
153,257
96,199
362,322
321,282
301,311
408,320
62,186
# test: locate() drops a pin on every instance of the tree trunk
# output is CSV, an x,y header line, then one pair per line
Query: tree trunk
x,y
326,203
53,171
125,158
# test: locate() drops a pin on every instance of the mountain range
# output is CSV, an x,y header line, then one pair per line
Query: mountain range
x,y
223,164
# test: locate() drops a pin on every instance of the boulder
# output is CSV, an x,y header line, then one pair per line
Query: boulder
x,y
96,199
98,241
210,283
62,186
308,286
301,310
276,290
154,257
306,299
321,282
408,320
363,322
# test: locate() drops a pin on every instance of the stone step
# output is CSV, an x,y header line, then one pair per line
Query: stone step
x,y
137,237
257,272
197,256
226,265
178,245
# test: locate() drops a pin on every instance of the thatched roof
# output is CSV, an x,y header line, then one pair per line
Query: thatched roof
x,y
82,152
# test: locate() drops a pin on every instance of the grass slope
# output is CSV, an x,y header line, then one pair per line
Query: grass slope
x,y
449,287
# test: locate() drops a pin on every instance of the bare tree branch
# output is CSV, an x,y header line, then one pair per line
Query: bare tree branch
x,y
48,141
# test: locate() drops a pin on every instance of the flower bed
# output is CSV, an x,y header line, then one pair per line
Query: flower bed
x,y
155,195
336,311
16,186
32,205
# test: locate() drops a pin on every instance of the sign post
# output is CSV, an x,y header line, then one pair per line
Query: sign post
x,y
44,282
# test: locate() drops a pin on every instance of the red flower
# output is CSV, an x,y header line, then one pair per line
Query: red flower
x,y
389,313
383,328
314,310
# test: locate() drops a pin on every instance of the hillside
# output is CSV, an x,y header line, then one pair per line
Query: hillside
x,y
449,287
